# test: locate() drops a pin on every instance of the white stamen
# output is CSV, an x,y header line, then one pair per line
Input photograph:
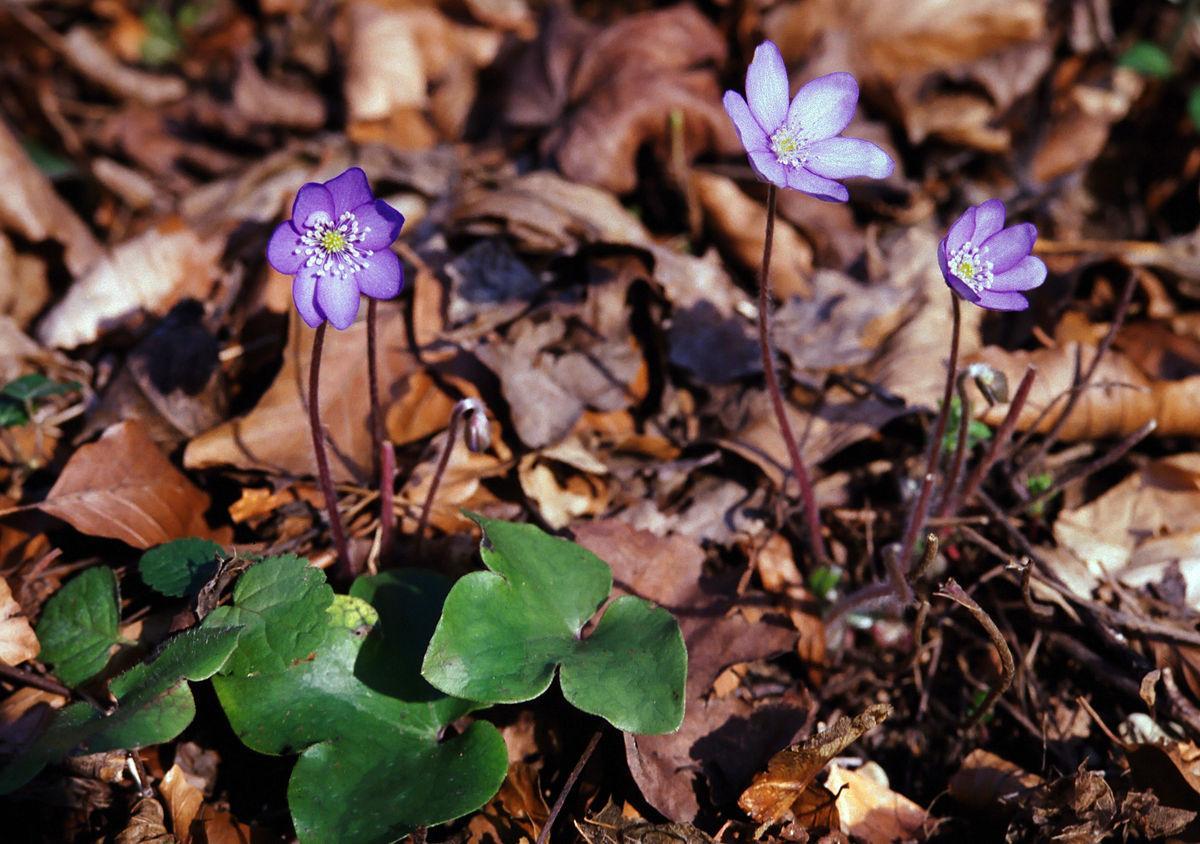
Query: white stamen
x,y
790,146
333,248
969,265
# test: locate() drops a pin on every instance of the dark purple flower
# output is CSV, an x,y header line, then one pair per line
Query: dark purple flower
x,y
336,246
987,264
798,144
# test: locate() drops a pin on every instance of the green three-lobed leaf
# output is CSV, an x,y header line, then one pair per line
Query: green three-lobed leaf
x,y
503,632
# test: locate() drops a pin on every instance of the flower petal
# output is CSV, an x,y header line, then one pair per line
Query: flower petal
x,y
311,199
382,221
841,158
1004,249
1029,273
818,186
989,219
282,250
382,277
824,106
337,298
767,166
304,294
753,138
962,231
349,190
1002,301
767,87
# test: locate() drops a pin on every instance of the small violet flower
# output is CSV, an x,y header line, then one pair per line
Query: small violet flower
x,y
798,144
336,246
987,264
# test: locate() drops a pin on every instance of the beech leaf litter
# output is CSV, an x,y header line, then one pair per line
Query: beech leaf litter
x,y
766,421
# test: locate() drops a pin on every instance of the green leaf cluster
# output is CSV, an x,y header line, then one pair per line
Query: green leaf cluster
x,y
19,398
154,704
337,680
505,631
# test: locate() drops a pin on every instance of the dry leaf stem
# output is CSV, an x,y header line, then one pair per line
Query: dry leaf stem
x,y
816,542
323,475
917,519
950,589
383,449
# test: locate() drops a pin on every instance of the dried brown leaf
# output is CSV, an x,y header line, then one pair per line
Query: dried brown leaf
x,y
151,272
984,779
18,643
275,436
183,800
122,487
146,826
870,810
774,791
30,207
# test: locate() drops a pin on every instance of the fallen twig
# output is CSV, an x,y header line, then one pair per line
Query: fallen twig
x,y
950,589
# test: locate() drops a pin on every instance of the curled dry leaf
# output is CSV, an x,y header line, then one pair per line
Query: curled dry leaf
x,y
122,487
1140,528
93,59
619,88
899,45
30,207
147,824
184,802
775,791
152,272
18,642
985,779
870,810
1120,399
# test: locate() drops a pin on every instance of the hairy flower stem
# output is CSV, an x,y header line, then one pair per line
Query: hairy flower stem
x,y
323,474
999,441
917,520
816,542
385,456
544,835
960,447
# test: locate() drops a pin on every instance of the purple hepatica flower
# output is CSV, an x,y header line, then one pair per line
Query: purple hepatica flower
x,y
336,246
987,264
798,145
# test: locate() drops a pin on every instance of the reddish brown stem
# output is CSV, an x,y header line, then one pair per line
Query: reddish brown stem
x,y
917,519
809,500
323,475
443,461
384,455
1078,388
999,439
960,448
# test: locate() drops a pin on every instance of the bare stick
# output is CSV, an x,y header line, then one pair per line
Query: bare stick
x,y
999,439
917,518
932,544
323,474
27,678
813,518
1078,388
544,835
955,593
385,457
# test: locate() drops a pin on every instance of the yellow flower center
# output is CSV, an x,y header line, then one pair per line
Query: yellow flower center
x,y
333,241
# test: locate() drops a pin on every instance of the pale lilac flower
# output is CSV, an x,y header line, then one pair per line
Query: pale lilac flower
x,y
798,144
336,246
987,264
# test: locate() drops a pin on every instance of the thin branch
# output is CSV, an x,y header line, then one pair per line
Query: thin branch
x,y
1086,469
999,439
544,835
950,589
